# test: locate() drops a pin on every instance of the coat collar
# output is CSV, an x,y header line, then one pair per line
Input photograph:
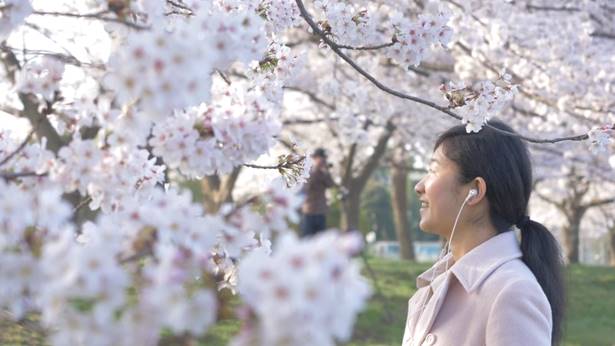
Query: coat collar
x,y
475,266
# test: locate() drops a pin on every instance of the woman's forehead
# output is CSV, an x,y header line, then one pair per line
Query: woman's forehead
x,y
440,159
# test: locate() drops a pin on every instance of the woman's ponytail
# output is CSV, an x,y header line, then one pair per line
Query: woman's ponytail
x,y
542,255
504,163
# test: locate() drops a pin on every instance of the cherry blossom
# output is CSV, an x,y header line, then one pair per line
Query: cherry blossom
x,y
286,288
12,14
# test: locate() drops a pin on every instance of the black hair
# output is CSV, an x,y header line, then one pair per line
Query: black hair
x,y
319,152
503,161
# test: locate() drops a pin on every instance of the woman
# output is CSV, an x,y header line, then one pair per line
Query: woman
x,y
490,289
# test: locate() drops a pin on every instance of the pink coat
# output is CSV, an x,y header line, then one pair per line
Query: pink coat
x,y
488,297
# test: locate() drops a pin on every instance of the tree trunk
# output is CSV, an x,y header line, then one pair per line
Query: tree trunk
x,y
351,210
612,245
351,205
399,201
571,236
218,190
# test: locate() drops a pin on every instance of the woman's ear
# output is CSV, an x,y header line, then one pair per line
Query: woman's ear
x,y
480,186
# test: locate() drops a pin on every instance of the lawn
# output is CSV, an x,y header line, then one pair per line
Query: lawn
x,y
590,319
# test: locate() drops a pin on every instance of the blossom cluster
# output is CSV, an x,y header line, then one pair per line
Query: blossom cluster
x,y
206,139
164,70
107,176
413,39
287,289
480,102
12,14
32,158
602,139
350,24
282,14
26,218
41,77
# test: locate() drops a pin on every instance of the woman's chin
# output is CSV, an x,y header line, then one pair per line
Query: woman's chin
x,y
425,227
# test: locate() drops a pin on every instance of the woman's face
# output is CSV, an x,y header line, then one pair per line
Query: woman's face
x,y
440,194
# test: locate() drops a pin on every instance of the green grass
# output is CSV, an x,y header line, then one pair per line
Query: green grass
x,y
590,316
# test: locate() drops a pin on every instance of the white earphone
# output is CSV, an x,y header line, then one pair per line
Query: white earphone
x,y
472,193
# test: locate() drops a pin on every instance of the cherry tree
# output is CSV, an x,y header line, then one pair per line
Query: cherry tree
x,y
100,238
550,89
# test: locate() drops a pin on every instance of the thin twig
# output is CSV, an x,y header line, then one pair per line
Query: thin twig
x,y
225,78
552,8
311,95
19,148
380,46
600,34
179,5
237,207
444,109
96,15
67,59
82,203
11,176
137,256
287,164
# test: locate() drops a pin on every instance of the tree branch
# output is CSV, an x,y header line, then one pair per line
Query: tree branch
x,y
599,202
374,158
313,97
13,176
559,205
97,15
347,178
552,8
376,47
67,59
601,34
444,109
306,121
287,164
40,121
19,148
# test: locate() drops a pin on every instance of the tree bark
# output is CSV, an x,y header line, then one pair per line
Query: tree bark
x,y
351,207
354,184
399,201
571,235
612,245
218,190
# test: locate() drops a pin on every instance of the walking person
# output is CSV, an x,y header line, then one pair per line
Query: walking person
x,y
315,207
490,288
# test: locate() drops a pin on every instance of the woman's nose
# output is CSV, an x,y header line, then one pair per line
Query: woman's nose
x,y
419,188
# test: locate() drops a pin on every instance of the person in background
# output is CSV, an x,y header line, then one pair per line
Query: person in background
x,y
315,207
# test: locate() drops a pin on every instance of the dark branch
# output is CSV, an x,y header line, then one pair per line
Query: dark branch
x,y
376,47
379,85
313,97
19,148
306,121
552,8
13,176
67,59
96,15
600,34
224,77
286,164
599,202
